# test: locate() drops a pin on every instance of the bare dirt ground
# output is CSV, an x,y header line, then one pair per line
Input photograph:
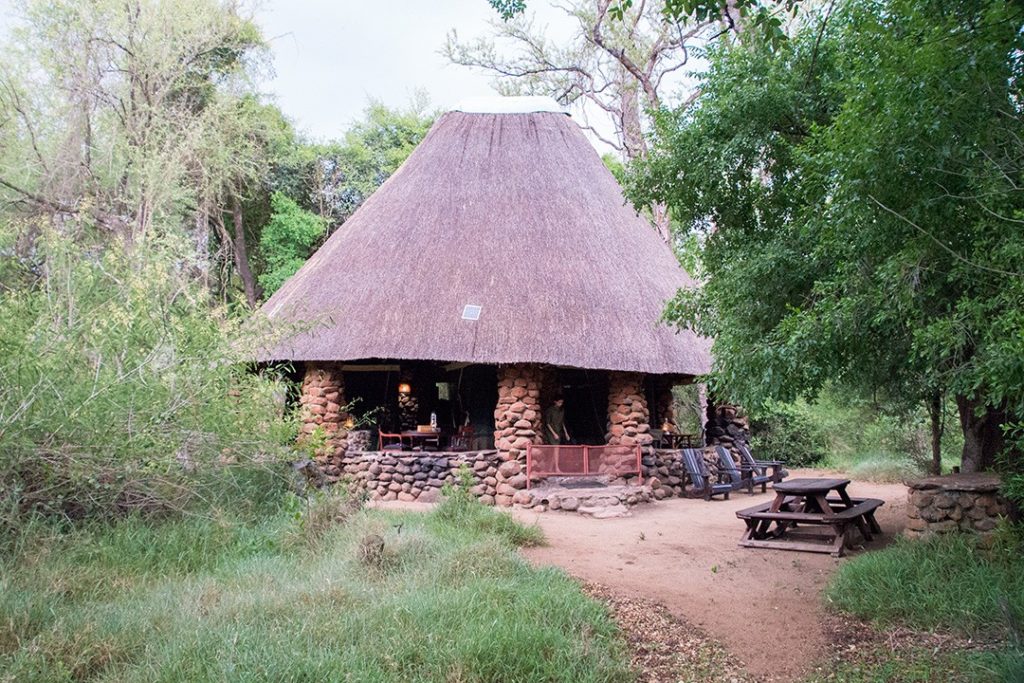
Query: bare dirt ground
x,y
765,606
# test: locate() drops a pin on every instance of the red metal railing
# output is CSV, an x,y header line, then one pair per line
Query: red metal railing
x,y
580,461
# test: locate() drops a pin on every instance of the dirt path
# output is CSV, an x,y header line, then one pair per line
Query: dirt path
x,y
764,605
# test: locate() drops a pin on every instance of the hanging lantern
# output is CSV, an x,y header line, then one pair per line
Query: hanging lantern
x,y
404,388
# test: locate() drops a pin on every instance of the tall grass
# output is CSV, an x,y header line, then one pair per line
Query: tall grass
x,y
203,599
947,582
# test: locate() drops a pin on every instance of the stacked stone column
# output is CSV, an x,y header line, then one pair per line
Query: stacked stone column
x,y
517,423
628,415
322,406
726,426
408,402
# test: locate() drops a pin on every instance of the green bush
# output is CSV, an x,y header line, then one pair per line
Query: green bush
x,y
790,433
122,389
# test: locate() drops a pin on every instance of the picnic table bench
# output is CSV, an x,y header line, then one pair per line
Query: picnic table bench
x,y
777,524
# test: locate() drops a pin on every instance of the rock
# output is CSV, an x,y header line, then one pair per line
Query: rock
x,y
654,483
487,499
509,469
406,496
503,500
429,495
505,489
518,482
660,494
524,498
944,501
983,525
605,511
569,503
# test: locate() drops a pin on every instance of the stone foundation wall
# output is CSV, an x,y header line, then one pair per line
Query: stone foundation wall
x,y
322,402
628,416
956,502
420,476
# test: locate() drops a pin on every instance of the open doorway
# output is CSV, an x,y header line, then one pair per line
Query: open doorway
x,y
586,404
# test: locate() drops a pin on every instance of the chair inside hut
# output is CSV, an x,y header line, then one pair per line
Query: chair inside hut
x,y
424,406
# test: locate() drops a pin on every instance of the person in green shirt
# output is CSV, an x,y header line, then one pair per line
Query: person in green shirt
x,y
554,423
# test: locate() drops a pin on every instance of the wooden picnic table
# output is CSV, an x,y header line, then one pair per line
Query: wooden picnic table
x,y
802,513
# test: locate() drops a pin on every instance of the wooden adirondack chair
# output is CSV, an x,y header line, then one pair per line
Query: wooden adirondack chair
x,y
739,478
760,468
701,479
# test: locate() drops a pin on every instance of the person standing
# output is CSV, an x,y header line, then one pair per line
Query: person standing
x,y
554,423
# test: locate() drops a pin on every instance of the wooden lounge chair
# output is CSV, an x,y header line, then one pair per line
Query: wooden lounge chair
x,y
740,478
760,468
701,479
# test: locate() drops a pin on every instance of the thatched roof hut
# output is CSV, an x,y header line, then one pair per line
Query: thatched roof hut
x,y
514,213
499,268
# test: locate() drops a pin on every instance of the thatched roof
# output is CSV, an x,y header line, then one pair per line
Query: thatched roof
x,y
512,212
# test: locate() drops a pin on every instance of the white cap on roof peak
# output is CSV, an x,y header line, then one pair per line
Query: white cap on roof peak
x,y
510,105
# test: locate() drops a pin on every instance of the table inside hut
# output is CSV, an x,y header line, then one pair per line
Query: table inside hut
x,y
423,439
803,517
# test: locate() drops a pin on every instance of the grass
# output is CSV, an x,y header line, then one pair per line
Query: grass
x,y
949,583
881,664
220,598
943,582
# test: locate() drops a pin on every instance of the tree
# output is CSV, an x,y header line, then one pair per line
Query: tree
x,y
139,89
287,241
879,246
619,67
345,173
737,15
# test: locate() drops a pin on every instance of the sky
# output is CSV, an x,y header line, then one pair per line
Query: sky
x,y
331,58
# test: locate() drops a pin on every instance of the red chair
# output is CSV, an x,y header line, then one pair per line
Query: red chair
x,y
462,440
382,435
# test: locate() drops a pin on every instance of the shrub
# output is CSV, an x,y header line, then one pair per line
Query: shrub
x,y
788,432
121,389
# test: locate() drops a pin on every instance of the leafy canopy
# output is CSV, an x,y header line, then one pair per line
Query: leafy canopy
x,y
859,188
287,240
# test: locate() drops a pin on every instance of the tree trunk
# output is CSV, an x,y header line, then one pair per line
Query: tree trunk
x,y
242,254
983,436
935,413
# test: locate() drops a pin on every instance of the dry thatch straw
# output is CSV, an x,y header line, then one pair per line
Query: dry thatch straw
x,y
517,214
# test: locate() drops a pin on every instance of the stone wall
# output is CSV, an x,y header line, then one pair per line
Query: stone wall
x,y
955,502
419,476
628,416
321,406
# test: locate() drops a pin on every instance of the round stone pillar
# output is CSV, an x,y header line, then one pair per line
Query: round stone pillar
x,y
517,424
322,406
628,415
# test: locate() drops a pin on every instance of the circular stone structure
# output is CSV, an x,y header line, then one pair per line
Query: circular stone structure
x,y
955,502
